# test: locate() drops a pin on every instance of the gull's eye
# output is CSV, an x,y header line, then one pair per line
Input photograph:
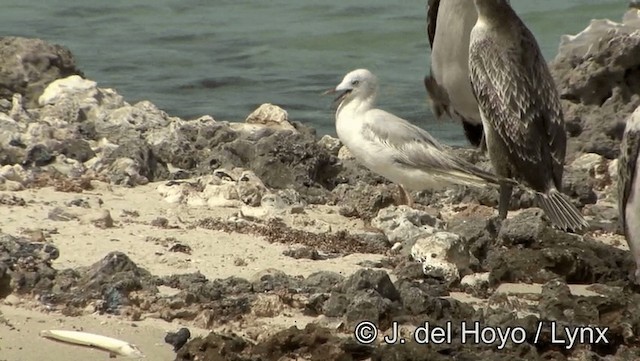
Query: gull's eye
x,y
355,82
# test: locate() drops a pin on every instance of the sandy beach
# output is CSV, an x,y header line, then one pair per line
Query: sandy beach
x,y
216,254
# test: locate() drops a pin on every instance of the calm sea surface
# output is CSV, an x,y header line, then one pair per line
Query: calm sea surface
x,y
225,57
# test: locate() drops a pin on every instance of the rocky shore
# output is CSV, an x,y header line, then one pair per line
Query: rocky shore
x,y
271,243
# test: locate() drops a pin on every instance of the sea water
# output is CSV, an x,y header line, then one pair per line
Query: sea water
x,y
226,57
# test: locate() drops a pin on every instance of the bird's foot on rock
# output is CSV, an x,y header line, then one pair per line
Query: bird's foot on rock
x,y
494,223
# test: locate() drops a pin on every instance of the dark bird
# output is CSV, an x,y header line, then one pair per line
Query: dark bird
x,y
520,109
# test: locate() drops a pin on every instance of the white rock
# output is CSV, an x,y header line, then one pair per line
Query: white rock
x,y
131,169
344,153
331,144
7,123
270,115
250,188
632,18
170,134
104,146
475,280
171,192
588,162
65,87
10,186
581,44
18,112
225,188
37,131
13,173
224,195
187,192
67,166
443,255
12,300
142,116
404,224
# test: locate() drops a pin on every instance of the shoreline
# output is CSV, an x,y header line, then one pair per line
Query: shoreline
x,y
128,222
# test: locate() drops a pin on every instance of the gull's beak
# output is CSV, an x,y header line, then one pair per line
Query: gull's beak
x,y
337,89
330,91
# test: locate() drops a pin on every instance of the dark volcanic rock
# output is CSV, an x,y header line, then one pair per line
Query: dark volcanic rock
x,y
150,166
365,295
25,266
368,305
479,232
364,200
204,290
376,280
579,186
178,339
311,343
323,281
38,156
77,149
272,279
524,229
111,280
181,148
409,270
598,90
280,158
27,66
528,249
214,347
210,302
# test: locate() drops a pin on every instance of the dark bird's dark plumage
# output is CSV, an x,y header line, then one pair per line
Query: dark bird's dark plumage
x,y
521,111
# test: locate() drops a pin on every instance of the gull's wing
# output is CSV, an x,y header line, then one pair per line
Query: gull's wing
x,y
629,149
432,18
518,97
415,148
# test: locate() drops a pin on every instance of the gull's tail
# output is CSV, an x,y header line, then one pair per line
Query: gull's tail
x,y
560,210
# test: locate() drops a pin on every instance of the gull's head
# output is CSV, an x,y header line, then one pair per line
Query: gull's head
x,y
358,84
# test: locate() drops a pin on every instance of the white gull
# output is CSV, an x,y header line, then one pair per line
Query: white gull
x,y
394,148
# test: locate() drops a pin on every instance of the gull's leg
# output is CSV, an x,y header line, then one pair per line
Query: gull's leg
x,y
406,195
505,199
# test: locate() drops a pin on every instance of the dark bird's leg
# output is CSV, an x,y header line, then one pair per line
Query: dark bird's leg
x,y
505,199
406,195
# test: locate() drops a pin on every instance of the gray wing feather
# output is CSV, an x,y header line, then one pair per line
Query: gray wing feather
x,y
629,151
518,97
416,148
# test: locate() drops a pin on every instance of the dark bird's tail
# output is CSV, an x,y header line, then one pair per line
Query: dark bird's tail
x,y
560,210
